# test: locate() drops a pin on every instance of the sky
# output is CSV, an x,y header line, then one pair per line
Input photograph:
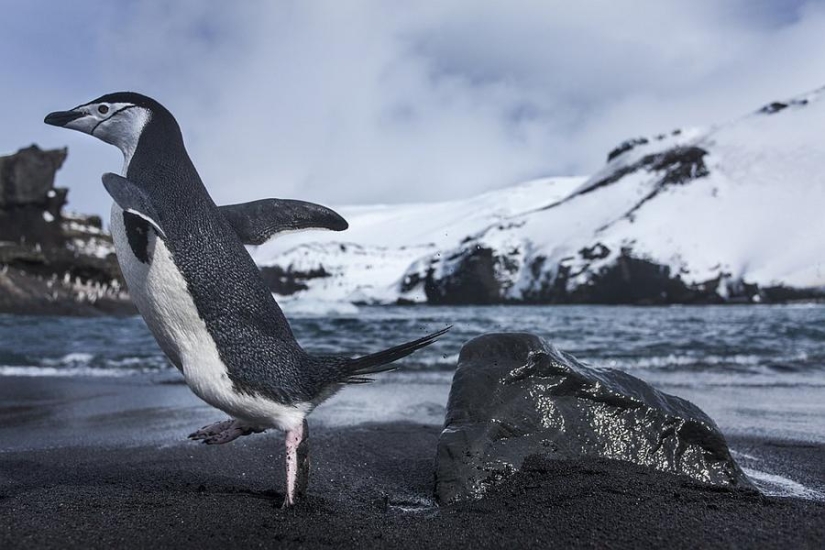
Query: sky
x,y
363,102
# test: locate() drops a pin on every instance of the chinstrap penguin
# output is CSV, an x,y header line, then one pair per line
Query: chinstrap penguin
x,y
199,291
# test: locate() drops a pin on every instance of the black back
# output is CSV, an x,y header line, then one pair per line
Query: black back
x,y
252,335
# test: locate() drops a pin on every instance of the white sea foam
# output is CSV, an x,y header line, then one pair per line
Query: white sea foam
x,y
687,360
740,455
436,361
309,307
780,486
416,377
88,364
9,370
70,359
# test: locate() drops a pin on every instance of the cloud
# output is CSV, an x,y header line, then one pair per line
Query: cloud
x,y
370,101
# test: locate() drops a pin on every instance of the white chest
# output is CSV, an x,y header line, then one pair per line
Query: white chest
x,y
160,294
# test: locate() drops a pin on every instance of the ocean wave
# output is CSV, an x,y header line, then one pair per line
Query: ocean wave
x,y
737,362
69,360
416,377
84,364
316,308
780,486
8,370
730,367
430,362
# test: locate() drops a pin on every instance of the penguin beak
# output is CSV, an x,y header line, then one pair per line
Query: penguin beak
x,y
62,118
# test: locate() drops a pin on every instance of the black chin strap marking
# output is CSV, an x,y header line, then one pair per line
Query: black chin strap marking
x,y
110,116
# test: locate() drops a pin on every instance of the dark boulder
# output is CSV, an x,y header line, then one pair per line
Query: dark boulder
x,y
515,396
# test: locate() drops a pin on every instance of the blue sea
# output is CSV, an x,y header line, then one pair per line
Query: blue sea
x,y
757,370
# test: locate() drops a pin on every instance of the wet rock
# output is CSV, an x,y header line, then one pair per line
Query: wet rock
x,y
286,282
515,396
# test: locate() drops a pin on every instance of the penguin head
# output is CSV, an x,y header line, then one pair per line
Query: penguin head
x,y
118,118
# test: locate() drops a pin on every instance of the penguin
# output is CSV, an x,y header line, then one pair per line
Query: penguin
x,y
200,293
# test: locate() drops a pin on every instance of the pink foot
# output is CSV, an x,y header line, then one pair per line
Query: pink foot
x,y
297,463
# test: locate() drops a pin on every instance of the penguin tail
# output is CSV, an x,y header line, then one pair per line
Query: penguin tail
x,y
357,371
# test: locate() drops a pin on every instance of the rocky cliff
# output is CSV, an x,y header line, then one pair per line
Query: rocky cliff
x,y
51,261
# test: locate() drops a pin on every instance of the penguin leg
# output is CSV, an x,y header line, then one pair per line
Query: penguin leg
x,y
297,463
223,432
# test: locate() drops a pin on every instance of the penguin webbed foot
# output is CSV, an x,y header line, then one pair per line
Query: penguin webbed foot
x,y
211,429
222,432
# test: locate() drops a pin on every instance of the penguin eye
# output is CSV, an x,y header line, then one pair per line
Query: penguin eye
x,y
103,109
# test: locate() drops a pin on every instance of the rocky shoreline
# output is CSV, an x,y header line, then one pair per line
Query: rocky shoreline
x,y
51,261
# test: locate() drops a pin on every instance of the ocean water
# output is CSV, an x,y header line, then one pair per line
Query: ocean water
x,y
757,370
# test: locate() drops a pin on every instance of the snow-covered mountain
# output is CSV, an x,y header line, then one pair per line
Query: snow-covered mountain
x,y
702,215
367,262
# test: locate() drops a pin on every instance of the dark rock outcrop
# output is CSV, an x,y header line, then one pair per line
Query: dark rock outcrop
x,y
626,146
286,282
51,262
514,396
675,166
27,177
631,280
481,276
773,107
777,106
473,282
30,205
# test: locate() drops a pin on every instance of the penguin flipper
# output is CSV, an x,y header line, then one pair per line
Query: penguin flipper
x,y
132,199
257,221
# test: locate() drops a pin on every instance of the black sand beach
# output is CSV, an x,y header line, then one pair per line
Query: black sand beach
x,y
101,464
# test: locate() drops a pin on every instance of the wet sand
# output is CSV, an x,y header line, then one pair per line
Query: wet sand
x,y
102,463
